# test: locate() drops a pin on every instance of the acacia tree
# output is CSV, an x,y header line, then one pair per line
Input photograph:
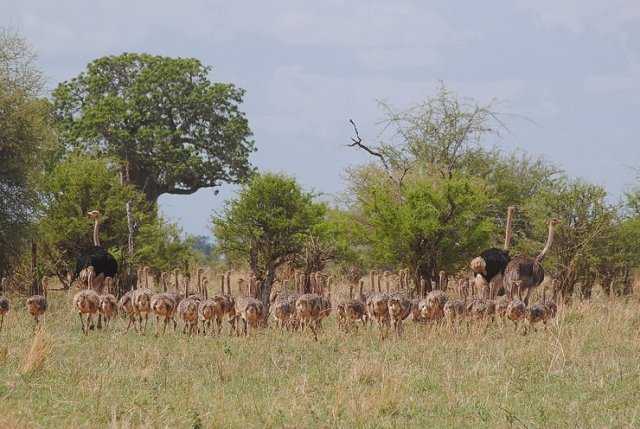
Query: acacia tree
x,y
24,134
441,143
616,255
435,225
433,155
79,184
171,129
267,225
587,222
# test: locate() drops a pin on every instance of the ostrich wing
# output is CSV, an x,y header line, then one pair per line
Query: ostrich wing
x,y
525,269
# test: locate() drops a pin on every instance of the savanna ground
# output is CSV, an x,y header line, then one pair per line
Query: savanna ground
x,y
581,371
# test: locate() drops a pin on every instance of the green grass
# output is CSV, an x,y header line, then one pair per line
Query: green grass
x,y
583,371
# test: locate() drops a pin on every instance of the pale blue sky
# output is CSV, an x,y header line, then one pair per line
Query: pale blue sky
x,y
572,67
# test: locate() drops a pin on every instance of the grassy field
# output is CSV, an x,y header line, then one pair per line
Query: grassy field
x,y
582,371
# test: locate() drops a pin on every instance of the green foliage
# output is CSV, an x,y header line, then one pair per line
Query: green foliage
x,y
441,197
349,238
267,225
24,135
161,246
440,133
74,187
432,226
587,220
79,184
170,129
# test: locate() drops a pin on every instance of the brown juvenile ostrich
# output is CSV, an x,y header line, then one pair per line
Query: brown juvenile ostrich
x,y
37,304
175,291
399,309
516,309
353,310
526,270
210,309
282,312
87,302
4,302
228,304
251,311
433,308
108,304
163,304
188,310
455,309
126,304
308,309
141,300
378,309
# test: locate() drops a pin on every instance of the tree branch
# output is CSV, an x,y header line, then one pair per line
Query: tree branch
x,y
357,142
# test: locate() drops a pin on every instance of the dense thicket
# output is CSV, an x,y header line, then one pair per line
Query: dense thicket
x,y
24,135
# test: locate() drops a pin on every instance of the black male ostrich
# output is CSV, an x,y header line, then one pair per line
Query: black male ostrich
x,y
103,262
490,265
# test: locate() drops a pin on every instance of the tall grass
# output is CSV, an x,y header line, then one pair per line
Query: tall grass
x,y
583,370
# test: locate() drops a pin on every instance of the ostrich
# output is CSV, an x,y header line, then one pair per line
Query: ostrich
x,y
524,272
103,262
490,265
164,304
87,302
37,304
108,305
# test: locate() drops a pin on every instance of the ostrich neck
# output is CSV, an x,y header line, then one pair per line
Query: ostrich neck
x,y
507,238
547,245
96,228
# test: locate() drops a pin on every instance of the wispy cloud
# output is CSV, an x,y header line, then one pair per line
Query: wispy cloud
x,y
579,16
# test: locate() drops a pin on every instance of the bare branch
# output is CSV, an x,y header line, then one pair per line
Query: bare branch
x,y
357,142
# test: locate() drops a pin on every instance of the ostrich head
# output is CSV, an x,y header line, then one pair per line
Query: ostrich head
x,y
554,222
95,214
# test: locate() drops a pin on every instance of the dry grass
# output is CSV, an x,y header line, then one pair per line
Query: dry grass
x,y
35,359
583,370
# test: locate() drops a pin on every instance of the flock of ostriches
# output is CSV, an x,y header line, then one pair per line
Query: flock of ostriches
x,y
493,270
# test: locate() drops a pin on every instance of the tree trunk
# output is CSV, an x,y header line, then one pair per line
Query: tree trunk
x,y
144,182
627,288
566,289
606,284
586,287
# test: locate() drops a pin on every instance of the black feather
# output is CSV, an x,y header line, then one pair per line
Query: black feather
x,y
496,261
102,261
